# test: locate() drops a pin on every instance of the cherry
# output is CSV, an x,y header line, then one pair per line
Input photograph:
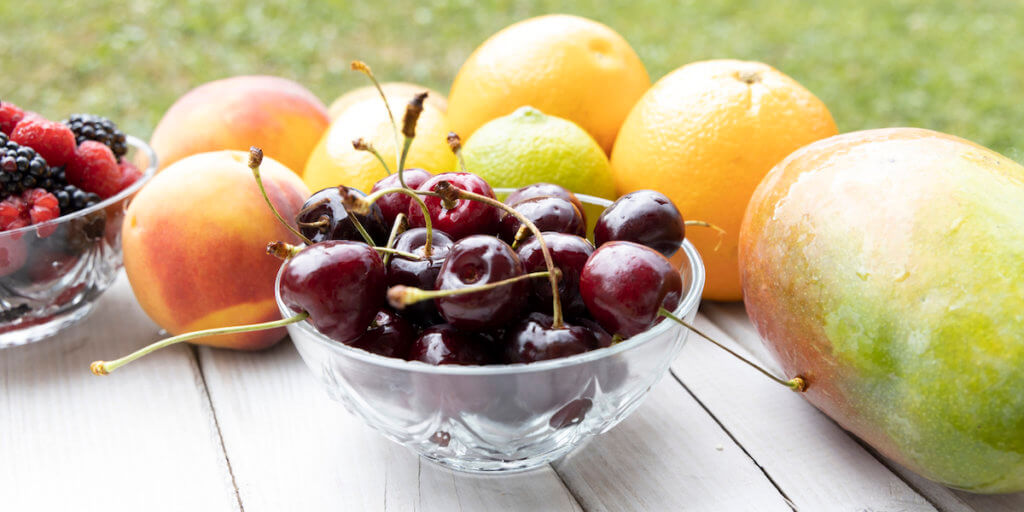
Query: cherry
x,y
463,217
624,284
479,260
444,344
570,254
548,214
546,190
324,217
389,335
645,217
393,204
419,273
534,339
341,284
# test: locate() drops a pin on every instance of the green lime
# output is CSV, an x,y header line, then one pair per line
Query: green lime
x,y
528,146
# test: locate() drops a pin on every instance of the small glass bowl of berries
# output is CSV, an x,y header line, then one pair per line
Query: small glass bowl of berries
x,y
454,345
64,186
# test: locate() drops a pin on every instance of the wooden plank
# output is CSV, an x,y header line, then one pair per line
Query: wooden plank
x,y
669,455
813,461
143,438
293,448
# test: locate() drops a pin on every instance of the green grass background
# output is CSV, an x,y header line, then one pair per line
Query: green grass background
x,y
954,66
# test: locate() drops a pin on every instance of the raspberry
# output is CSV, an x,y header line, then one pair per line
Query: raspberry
x,y
12,212
10,115
100,129
42,205
52,140
93,168
31,207
13,253
129,174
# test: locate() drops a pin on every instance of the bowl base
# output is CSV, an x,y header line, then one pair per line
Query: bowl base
x,y
485,467
42,328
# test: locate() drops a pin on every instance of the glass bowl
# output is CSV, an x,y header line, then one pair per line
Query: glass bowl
x,y
51,273
501,417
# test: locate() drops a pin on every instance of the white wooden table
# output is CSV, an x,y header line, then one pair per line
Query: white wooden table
x,y
201,429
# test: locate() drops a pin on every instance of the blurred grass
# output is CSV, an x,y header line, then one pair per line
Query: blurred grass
x,y
952,66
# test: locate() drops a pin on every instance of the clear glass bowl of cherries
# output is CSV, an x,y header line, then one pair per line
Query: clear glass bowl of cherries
x,y
63,190
489,380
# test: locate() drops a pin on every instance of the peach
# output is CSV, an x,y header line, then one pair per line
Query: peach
x,y
195,245
280,116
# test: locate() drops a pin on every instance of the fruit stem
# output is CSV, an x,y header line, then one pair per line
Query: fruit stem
x,y
450,192
412,115
365,203
797,384
255,160
105,367
396,229
362,231
364,68
455,143
396,252
282,250
400,296
360,144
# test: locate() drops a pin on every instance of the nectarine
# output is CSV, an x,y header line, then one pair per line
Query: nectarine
x,y
280,116
195,245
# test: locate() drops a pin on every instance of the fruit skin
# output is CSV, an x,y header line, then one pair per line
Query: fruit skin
x,y
530,146
569,253
474,261
10,116
52,140
195,239
419,273
397,91
328,205
444,344
547,214
334,161
466,217
567,66
340,283
534,339
93,168
705,137
645,217
275,114
887,267
394,203
624,284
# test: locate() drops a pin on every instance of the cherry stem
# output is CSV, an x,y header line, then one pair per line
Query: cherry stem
x,y
798,383
364,68
362,231
448,192
361,145
396,252
700,223
105,367
282,250
455,143
321,222
412,116
400,296
372,198
400,226
255,160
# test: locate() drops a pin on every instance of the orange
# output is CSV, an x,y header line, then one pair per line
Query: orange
x,y
335,162
705,135
564,66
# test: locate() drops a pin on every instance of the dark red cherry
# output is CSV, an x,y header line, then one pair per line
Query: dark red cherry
x,y
546,190
569,253
324,217
341,284
548,214
645,217
389,335
393,204
534,339
419,273
473,261
444,344
466,217
624,284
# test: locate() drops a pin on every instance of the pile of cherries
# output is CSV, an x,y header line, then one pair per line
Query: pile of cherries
x,y
454,276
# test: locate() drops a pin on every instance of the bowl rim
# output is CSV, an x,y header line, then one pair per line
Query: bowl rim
x,y
690,301
147,174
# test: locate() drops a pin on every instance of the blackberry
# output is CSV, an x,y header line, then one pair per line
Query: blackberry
x,y
100,129
21,168
71,198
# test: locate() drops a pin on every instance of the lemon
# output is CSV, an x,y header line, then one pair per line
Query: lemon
x,y
528,146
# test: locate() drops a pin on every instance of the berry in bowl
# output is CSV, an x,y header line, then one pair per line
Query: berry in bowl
x,y
63,190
